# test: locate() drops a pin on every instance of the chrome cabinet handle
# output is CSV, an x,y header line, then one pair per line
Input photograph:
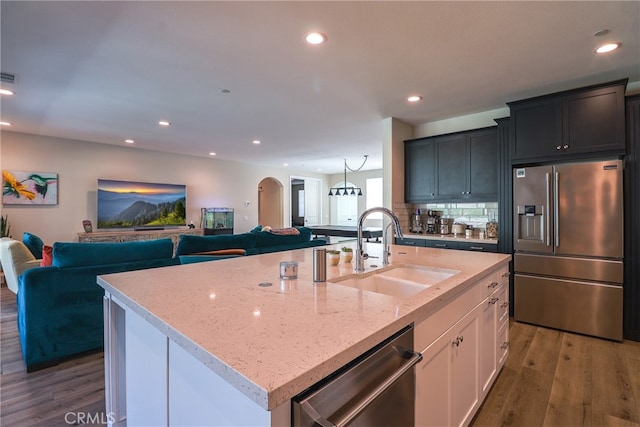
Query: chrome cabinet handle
x,y
558,147
492,285
565,146
547,213
441,245
476,248
493,300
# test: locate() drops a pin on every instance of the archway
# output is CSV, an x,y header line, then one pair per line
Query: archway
x,y
270,203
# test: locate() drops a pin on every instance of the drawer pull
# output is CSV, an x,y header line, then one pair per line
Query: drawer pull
x,y
441,245
493,300
492,285
505,275
505,345
408,243
476,248
457,341
504,304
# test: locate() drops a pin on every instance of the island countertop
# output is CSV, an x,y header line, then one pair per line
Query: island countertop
x,y
272,342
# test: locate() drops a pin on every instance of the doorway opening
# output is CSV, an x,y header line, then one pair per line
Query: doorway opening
x,y
270,203
305,201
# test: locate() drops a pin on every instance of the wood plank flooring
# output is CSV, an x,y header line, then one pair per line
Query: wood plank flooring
x,y
551,378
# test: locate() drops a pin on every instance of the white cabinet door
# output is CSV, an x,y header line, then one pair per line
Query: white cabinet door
x,y
312,203
447,392
465,373
434,387
488,339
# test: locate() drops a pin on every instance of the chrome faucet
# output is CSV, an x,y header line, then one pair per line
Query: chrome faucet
x,y
360,254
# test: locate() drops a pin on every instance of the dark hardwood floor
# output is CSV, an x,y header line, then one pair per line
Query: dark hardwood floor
x,y
551,378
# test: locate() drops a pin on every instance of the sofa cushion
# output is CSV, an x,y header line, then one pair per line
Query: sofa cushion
x,y
266,238
194,244
15,258
34,243
68,255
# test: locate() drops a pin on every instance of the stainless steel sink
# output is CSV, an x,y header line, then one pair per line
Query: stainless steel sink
x,y
399,280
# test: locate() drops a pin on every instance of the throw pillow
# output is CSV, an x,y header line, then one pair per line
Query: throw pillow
x,y
47,256
34,243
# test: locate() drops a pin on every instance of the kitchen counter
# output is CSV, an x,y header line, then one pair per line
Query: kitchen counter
x,y
451,237
273,341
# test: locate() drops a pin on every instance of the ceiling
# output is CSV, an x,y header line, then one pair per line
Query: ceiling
x,y
107,71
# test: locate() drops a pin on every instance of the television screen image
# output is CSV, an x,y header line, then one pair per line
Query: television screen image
x,y
129,204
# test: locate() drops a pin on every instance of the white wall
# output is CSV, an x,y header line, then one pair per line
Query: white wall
x,y
359,179
79,164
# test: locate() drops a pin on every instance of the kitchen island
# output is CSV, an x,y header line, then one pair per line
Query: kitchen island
x,y
230,343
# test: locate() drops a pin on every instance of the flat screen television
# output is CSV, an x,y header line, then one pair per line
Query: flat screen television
x,y
130,204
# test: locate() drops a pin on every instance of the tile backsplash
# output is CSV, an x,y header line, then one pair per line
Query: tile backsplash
x,y
475,214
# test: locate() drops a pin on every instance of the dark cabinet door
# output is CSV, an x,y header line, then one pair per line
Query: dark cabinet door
x,y
453,169
419,170
569,125
592,121
484,166
536,129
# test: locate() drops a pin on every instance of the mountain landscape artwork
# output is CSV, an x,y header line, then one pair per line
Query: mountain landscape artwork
x,y
125,204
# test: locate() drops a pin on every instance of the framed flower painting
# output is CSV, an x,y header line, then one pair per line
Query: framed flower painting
x,y
29,188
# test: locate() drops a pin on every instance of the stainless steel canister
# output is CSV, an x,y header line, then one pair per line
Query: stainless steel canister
x,y
319,265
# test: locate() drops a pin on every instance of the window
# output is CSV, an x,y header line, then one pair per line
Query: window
x,y
374,196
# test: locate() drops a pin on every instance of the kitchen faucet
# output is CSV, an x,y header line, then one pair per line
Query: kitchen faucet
x,y
360,255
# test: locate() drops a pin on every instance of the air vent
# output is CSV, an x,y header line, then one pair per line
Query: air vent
x,y
7,78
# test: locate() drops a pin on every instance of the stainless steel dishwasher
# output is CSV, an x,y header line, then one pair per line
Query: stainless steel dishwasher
x,y
375,389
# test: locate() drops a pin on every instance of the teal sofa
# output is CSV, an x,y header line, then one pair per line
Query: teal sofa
x,y
60,306
253,243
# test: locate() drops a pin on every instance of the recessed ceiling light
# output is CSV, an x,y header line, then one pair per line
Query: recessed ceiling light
x,y
6,92
212,153
414,98
607,47
164,123
256,141
5,124
315,38
129,141
285,164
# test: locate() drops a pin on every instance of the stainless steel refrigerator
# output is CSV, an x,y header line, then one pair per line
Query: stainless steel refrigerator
x,y
568,242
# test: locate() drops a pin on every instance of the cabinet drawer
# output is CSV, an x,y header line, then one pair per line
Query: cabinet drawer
x,y
441,244
503,304
480,247
503,344
407,241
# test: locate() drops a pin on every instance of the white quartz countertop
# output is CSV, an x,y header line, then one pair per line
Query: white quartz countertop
x,y
273,342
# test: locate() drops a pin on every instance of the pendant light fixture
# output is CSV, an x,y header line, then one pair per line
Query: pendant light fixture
x,y
344,190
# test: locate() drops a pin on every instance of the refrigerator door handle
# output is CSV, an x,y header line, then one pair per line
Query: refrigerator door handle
x,y
547,213
556,209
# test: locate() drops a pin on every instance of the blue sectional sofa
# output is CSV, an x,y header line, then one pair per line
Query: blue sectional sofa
x,y
60,310
253,243
60,306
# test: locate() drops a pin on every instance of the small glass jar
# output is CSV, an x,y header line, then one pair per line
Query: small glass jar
x,y
333,257
289,270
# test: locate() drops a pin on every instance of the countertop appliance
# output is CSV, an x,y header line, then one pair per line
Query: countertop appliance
x,y
568,241
376,389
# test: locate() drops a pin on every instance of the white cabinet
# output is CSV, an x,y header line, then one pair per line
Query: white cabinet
x,y
463,351
447,378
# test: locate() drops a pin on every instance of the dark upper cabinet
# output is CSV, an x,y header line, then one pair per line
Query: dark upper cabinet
x,y
420,170
569,124
484,164
456,167
453,172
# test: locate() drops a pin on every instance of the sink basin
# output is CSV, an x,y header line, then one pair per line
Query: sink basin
x,y
399,281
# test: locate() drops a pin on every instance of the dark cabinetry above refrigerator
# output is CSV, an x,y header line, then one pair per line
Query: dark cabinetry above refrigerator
x,y
458,167
569,125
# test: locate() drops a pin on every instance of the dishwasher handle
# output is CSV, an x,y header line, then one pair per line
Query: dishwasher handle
x,y
369,397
